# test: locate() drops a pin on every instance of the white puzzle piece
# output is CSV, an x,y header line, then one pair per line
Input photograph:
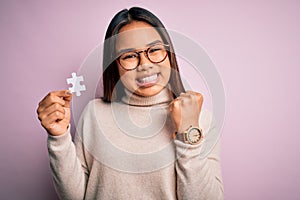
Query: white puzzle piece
x,y
76,86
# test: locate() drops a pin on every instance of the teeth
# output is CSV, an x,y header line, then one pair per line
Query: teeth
x,y
148,79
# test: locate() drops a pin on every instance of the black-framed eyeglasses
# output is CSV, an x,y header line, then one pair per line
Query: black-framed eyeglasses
x,y
156,53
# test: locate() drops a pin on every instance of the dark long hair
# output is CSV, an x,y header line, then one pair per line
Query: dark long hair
x,y
114,91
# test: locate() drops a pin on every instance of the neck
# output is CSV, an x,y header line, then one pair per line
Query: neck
x,y
163,97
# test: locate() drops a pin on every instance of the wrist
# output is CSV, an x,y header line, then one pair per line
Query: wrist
x,y
182,128
192,135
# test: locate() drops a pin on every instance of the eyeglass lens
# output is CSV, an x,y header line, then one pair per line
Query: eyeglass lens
x,y
155,54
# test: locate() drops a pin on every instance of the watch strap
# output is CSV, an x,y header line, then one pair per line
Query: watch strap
x,y
180,136
183,136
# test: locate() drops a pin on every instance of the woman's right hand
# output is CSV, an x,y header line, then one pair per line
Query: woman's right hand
x,y
54,112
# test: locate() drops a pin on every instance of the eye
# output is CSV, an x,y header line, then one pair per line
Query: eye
x,y
155,49
128,56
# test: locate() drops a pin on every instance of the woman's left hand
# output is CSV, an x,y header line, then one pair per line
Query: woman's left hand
x,y
185,110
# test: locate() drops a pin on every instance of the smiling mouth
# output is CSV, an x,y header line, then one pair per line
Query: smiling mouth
x,y
147,81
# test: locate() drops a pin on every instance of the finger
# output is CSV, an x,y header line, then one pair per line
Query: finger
x,y
54,107
192,96
177,102
171,105
199,97
61,93
186,95
50,99
174,103
191,92
54,97
68,100
52,118
182,94
184,98
196,94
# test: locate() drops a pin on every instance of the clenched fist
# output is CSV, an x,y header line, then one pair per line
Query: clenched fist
x,y
185,110
54,112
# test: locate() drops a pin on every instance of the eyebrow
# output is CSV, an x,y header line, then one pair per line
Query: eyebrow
x,y
133,49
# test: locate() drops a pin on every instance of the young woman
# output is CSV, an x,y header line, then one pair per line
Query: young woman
x,y
140,77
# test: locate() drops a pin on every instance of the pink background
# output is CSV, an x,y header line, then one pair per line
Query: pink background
x,y
254,44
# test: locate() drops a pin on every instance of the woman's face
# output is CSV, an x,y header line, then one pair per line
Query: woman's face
x,y
148,78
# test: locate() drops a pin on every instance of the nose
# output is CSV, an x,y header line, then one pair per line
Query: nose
x,y
145,63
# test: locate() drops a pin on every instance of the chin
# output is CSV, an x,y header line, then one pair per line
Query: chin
x,y
149,91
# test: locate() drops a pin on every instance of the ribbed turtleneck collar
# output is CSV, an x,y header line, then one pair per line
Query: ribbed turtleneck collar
x,y
164,96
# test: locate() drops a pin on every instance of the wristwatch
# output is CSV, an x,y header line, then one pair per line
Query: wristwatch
x,y
193,135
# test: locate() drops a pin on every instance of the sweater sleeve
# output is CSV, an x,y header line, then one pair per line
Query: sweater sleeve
x,y
68,170
199,177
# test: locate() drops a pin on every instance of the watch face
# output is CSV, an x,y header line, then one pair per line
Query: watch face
x,y
194,135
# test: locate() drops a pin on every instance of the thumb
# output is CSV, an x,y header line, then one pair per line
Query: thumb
x,y
68,98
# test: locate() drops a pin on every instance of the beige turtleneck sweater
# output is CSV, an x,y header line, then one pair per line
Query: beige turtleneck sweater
x,y
125,150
